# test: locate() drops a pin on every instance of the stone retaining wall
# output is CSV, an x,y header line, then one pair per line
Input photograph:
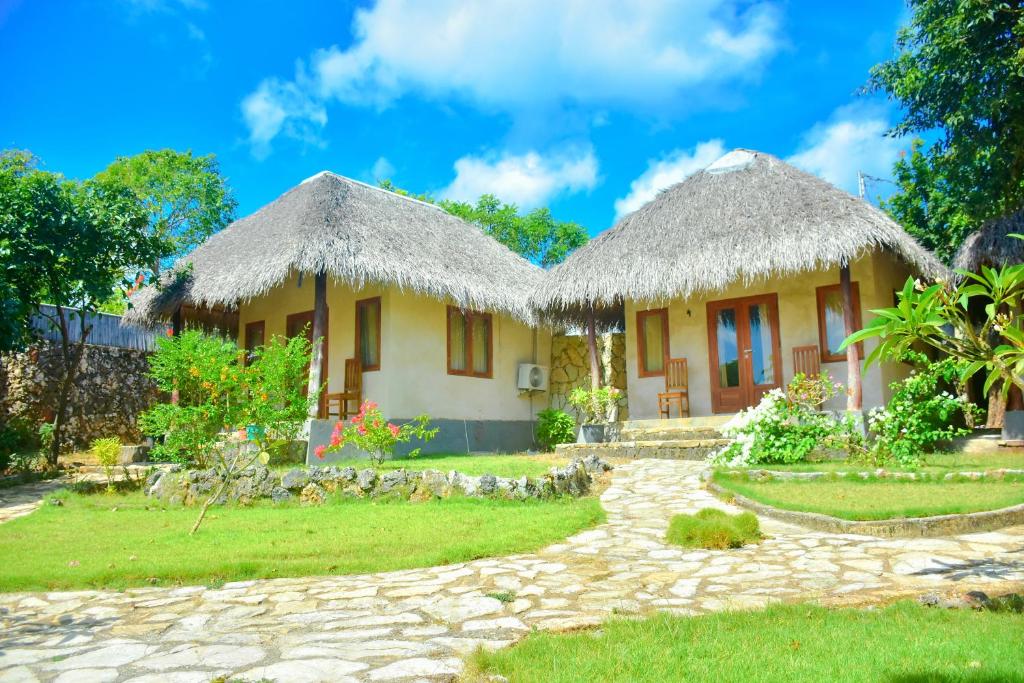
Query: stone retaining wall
x,y
570,367
311,486
111,390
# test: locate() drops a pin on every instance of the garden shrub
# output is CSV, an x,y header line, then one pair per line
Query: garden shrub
x,y
16,436
920,414
218,392
106,451
713,529
596,406
554,427
786,426
370,432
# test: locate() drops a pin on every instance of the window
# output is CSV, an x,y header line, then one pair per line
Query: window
x,y
652,341
255,335
831,325
470,343
368,333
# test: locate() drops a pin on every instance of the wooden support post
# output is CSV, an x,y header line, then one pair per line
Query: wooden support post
x,y
854,390
316,363
175,331
595,367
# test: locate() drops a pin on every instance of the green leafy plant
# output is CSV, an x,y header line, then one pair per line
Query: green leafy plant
x,y
45,432
370,432
595,406
107,451
786,426
920,414
713,529
16,436
554,427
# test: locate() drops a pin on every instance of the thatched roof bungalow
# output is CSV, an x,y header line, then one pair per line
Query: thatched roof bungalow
x,y
992,245
436,313
737,269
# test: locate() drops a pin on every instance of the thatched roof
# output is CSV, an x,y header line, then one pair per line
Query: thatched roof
x,y
747,216
992,245
359,235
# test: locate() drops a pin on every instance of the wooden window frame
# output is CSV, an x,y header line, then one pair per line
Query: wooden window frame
x,y
468,316
641,341
374,301
822,293
261,325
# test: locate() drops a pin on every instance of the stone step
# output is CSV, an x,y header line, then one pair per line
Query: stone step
x,y
669,434
673,449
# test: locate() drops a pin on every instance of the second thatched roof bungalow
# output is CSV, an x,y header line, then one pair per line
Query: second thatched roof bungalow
x,y
739,270
421,311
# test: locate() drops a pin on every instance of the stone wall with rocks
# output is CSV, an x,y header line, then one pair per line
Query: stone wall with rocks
x,y
310,486
570,367
111,390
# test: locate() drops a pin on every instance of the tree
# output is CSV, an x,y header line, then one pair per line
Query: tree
x,y
185,196
536,236
959,71
72,243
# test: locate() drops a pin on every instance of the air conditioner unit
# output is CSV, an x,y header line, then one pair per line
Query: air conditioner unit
x,y
533,377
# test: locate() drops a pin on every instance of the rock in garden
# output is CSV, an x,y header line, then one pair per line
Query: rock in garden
x,y
391,480
313,494
488,484
366,479
280,494
595,465
294,479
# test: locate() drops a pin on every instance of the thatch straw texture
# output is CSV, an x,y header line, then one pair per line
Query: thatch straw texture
x,y
992,245
359,235
747,216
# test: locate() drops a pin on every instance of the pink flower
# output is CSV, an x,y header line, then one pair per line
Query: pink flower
x,y
361,429
336,440
319,451
394,429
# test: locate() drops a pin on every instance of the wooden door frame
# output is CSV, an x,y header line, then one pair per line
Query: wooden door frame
x,y
307,316
743,345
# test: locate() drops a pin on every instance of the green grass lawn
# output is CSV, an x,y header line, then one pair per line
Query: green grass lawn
x,y
879,499
933,462
712,528
87,544
473,465
903,643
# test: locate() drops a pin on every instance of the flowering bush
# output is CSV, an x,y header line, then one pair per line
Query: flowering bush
x,y
785,426
370,432
596,406
919,414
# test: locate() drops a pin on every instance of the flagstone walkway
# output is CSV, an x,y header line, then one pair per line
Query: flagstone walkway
x,y
414,625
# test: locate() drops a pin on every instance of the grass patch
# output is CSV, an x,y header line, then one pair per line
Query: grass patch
x,y
714,529
902,643
857,499
933,462
85,543
473,465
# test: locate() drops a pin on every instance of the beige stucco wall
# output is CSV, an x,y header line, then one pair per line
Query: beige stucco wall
x,y
877,276
414,377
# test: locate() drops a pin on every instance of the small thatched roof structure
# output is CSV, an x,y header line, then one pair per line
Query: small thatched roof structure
x,y
747,216
359,235
992,245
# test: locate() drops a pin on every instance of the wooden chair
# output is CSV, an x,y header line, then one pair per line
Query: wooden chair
x,y
338,403
677,389
807,360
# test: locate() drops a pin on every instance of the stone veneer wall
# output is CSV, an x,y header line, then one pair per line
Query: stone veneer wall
x,y
570,367
111,390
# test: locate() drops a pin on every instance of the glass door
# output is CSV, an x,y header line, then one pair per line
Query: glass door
x,y
743,343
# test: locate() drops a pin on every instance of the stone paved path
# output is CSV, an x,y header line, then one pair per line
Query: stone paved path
x,y
413,625
18,501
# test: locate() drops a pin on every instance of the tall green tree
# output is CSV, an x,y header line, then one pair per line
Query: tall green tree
x,y
72,243
185,196
536,236
959,77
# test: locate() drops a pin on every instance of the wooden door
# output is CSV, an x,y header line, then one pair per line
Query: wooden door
x,y
745,355
302,323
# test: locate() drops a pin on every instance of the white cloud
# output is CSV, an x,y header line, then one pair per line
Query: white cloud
x,y
527,180
382,169
667,171
513,55
852,139
277,107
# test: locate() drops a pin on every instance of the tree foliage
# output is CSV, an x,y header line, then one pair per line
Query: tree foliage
x,y
536,236
185,196
959,72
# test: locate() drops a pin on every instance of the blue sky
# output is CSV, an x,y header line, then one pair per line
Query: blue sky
x,y
585,106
